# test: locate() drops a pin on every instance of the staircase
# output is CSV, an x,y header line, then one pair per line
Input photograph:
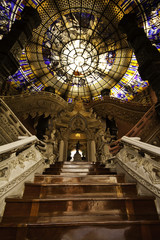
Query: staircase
x,y
80,201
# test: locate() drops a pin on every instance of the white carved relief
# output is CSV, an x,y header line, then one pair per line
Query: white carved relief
x,y
102,142
143,168
153,188
15,165
49,150
110,163
78,123
10,126
15,170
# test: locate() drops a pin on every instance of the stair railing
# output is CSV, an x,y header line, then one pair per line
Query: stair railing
x,y
144,121
10,125
141,161
136,131
19,161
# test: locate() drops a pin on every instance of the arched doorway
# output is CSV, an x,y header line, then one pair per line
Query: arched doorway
x,y
72,141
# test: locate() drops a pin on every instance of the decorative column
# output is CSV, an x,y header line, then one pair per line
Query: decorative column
x,y
88,150
65,149
61,151
148,56
93,151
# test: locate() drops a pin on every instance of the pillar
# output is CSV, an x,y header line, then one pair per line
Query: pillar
x,y
93,151
65,150
88,151
61,151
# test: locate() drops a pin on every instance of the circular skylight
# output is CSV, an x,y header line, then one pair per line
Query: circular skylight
x,y
78,48
78,63
78,56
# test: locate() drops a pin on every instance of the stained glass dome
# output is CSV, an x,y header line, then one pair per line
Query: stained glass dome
x,y
78,48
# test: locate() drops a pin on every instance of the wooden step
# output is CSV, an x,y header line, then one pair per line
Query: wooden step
x,y
133,208
78,172
73,165
82,163
70,170
77,168
37,190
79,179
117,230
77,206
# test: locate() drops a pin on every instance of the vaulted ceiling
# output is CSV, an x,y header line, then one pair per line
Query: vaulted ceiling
x,y
78,48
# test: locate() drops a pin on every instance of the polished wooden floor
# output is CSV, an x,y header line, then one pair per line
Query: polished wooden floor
x,y
80,201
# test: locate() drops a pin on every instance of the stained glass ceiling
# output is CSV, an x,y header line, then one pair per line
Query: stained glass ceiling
x,y
78,48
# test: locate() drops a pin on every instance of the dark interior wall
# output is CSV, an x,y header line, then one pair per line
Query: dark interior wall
x,y
153,96
29,124
123,127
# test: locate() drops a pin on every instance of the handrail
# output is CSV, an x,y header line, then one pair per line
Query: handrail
x,y
142,145
141,161
135,131
17,144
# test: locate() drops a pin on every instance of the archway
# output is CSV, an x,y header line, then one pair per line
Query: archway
x,y
73,139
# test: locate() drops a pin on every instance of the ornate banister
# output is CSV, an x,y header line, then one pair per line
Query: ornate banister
x,y
10,125
141,161
19,161
9,147
142,129
136,143
147,117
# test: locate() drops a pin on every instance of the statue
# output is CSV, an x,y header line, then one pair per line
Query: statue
x,y
104,140
78,146
50,147
77,155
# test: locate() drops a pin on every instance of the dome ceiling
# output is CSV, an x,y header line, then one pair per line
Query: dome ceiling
x,y
78,48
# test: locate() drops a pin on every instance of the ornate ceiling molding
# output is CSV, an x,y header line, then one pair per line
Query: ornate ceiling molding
x,y
36,104
126,111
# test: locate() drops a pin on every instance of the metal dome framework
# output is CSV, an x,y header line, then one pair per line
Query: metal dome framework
x,y
78,48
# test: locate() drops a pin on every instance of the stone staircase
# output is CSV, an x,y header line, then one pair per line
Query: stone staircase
x,y
80,201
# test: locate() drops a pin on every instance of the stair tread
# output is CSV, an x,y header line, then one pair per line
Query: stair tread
x,y
73,222
79,197
60,176
79,184
83,163
76,199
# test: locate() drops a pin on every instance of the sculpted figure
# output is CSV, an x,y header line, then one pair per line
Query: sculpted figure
x,y
104,146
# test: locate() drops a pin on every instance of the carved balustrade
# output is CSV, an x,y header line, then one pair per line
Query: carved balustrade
x,y
141,161
10,126
19,161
